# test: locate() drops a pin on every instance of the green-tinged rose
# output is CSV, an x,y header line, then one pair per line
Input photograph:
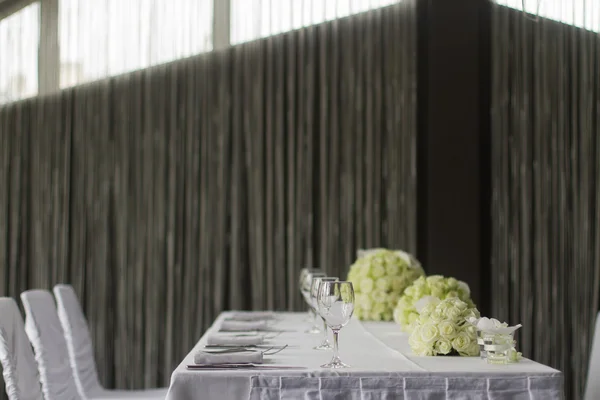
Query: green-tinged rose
x,y
383,284
443,346
366,285
375,316
473,350
453,313
448,329
424,350
428,309
452,283
452,294
392,269
379,308
365,302
428,332
398,315
470,329
434,278
358,313
438,290
412,317
461,342
378,297
377,271
398,284
437,315
387,316
472,312
392,300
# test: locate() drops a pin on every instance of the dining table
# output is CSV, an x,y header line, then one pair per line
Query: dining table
x,y
382,366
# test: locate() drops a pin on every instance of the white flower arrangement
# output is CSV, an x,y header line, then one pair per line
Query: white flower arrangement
x,y
437,286
379,277
441,328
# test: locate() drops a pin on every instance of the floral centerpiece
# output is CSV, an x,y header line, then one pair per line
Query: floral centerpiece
x,y
379,277
438,286
442,328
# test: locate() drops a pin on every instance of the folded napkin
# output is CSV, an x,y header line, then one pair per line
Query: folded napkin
x,y
254,357
239,326
251,315
227,340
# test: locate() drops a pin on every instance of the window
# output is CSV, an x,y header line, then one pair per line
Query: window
x,y
19,39
100,38
253,19
580,13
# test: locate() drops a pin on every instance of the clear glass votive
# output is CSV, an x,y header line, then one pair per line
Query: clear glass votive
x,y
497,347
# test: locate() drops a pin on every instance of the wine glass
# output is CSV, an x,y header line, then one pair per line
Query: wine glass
x,y
336,305
305,290
314,291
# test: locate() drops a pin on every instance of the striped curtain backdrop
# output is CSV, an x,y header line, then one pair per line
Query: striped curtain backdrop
x,y
546,185
170,194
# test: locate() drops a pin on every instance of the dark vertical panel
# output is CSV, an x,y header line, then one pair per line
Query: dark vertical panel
x,y
451,241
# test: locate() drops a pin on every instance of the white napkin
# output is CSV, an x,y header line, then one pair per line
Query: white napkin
x,y
227,340
254,357
239,326
251,315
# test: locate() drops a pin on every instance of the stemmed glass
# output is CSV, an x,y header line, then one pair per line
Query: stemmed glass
x,y
305,282
314,291
336,305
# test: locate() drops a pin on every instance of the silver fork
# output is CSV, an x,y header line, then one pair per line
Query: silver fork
x,y
267,352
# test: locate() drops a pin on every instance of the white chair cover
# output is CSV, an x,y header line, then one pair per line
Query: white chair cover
x,y
79,342
592,390
81,351
19,368
46,336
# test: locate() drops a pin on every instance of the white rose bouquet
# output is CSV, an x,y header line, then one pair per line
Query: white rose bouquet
x,y
379,277
438,286
442,328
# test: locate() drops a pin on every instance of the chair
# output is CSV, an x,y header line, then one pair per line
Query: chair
x,y
81,351
18,363
45,334
592,390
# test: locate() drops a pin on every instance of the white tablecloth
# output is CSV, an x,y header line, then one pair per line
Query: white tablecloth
x,y
382,368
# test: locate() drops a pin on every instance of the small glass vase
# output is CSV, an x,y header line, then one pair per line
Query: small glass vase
x,y
496,348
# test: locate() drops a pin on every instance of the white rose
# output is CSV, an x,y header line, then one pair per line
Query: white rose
x,y
452,312
383,284
392,269
365,302
366,285
462,342
448,329
443,346
428,333
377,270
378,297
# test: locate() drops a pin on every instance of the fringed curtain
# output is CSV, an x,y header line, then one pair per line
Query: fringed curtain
x,y
170,194
546,183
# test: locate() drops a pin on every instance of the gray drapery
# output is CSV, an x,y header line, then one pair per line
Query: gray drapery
x,y
546,181
167,195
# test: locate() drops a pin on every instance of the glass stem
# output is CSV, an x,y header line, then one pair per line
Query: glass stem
x,y
324,331
336,333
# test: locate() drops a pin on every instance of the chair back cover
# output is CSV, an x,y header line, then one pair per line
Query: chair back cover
x,y
592,390
46,335
18,363
79,341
